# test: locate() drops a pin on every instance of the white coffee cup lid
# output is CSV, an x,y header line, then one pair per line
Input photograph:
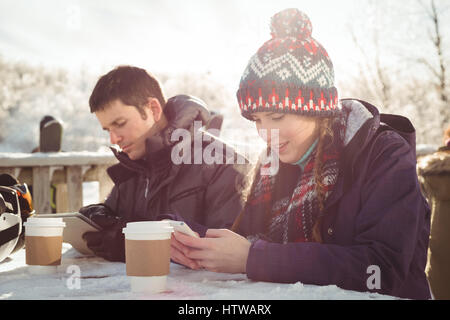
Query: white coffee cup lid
x,y
148,227
44,222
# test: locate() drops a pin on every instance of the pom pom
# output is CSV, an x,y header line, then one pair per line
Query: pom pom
x,y
290,23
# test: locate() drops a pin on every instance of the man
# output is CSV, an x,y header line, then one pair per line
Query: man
x,y
149,185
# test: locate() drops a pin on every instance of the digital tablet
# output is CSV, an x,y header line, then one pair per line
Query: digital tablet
x,y
76,225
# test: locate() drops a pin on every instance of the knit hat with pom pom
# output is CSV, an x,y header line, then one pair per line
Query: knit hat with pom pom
x,y
290,73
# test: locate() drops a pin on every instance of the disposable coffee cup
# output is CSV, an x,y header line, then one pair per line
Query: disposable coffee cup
x,y
43,244
147,255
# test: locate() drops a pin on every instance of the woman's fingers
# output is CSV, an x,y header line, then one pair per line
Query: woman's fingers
x,y
217,233
177,244
192,242
211,252
195,249
198,254
179,257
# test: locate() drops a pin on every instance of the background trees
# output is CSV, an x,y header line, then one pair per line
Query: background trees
x,y
403,51
399,56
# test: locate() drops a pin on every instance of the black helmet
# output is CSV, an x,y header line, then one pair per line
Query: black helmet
x,y
15,208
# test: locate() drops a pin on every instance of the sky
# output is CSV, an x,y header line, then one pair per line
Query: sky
x,y
214,36
218,37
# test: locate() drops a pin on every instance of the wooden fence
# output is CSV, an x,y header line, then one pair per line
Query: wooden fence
x,y
66,170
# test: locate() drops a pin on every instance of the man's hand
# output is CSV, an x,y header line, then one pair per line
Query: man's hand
x,y
108,243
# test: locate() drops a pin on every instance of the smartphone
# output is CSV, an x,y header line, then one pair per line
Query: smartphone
x,y
182,227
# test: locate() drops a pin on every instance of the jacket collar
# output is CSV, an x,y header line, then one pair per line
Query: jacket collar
x,y
357,115
363,122
362,112
154,161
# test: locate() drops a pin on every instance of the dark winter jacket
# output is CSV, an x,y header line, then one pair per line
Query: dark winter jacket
x,y
208,194
376,220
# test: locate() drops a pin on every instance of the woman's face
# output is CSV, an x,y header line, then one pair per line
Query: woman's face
x,y
295,133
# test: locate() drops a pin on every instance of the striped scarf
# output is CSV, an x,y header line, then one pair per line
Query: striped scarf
x,y
291,218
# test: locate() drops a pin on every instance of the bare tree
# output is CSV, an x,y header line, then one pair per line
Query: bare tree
x,y
402,68
373,72
439,69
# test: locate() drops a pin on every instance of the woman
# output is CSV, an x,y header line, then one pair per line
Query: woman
x,y
345,206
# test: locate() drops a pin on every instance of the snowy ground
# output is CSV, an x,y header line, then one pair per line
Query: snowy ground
x,y
100,279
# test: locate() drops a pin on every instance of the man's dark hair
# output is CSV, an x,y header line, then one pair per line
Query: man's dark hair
x,y
131,85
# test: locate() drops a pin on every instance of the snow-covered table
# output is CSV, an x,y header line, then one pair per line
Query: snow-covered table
x,y
81,277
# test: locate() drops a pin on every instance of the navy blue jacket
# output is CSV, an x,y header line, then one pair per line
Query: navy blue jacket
x,y
375,219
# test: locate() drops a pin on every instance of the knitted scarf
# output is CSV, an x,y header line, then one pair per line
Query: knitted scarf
x,y
291,219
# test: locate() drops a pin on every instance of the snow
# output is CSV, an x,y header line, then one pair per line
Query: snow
x,y
80,158
101,279
56,155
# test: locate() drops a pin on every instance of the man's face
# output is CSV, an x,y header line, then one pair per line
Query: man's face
x,y
127,127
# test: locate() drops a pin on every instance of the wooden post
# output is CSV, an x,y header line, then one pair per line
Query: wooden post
x,y
41,189
104,181
66,170
62,204
74,188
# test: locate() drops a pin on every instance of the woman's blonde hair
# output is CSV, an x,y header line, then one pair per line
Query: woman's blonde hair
x,y
325,130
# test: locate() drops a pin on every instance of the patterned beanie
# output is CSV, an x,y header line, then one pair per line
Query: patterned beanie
x,y
290,73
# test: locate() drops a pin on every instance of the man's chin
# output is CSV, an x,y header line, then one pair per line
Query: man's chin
x,y
133,155
130,155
